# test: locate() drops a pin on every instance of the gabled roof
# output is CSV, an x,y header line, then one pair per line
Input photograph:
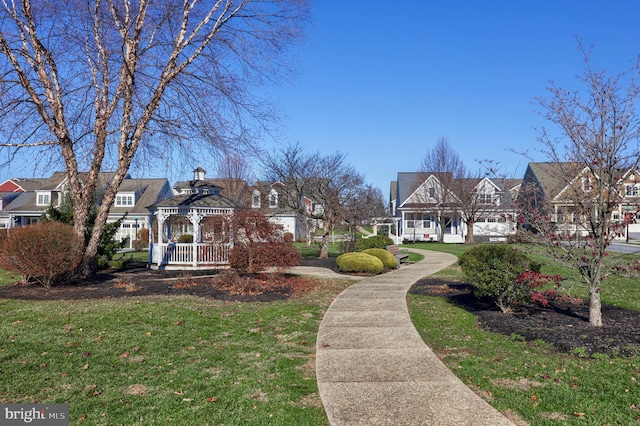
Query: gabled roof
x,y
148,191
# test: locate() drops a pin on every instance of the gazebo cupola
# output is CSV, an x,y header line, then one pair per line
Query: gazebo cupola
x,y
191,228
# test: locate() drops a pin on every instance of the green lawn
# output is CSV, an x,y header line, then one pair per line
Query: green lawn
x,y
166,360
531,381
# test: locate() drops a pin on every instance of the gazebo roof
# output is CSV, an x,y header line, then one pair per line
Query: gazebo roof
x,y
197,200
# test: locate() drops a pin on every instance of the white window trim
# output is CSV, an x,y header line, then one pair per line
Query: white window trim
x,y
125,200
43,198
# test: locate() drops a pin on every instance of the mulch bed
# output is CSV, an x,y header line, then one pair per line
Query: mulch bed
x,y
564,324
137,280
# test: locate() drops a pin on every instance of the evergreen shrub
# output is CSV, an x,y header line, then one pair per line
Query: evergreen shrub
x,y
388,260
378,241
359,262
493,271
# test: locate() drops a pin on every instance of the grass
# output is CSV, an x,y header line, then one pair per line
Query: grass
x,y
166,360
313,250
531,381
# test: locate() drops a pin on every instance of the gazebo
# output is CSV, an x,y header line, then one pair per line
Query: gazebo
x,y
191,229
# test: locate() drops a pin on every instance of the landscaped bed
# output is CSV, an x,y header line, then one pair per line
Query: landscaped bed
x,y
539,366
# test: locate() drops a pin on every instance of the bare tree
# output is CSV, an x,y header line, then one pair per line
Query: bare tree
x,y
316,186
444,164
97,81
234,170
569,202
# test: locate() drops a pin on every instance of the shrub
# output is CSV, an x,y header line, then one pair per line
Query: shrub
x,y
44,251
142,240
378,241
493,271
185,238
259,243
389,261
359,262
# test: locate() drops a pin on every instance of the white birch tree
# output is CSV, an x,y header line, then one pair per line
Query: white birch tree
x,y
99,82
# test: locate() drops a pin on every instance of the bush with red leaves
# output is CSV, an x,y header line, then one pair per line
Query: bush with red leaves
x,y
259,243
43,252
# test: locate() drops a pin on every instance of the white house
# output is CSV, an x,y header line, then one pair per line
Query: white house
x,y
426,209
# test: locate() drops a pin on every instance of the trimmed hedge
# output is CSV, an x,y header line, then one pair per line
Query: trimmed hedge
x,y
389,261
378,241
359,262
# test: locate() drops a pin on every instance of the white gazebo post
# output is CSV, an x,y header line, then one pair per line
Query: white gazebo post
x,y
195,218
162,216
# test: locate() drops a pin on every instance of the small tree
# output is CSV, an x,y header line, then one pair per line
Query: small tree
x,y
596,147
259,244
44,251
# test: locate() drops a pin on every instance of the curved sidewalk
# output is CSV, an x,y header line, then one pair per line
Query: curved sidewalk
x,y
373,368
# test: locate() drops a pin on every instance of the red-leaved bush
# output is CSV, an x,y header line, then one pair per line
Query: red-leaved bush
x,y
538,285
259,244
43,252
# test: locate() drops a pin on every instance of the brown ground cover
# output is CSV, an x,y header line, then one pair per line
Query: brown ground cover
x,y
137,280
564,324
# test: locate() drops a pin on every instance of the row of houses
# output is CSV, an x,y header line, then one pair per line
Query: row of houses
x,y
423,207
423,210
191,207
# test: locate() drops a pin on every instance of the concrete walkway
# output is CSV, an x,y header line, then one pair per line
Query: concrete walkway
x,y
373,368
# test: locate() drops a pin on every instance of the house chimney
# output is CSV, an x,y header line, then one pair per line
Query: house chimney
x,y
199,174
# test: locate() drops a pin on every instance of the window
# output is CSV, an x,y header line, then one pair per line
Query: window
x,y
485,198
418,220
44,199
255,200
432,192
124,200
586,184
273,199
632,190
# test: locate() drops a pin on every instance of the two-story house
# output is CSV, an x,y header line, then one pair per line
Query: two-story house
x,y
439,207
24,200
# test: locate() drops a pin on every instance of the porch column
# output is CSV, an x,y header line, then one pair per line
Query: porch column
x,y
150,239
162,216
195,217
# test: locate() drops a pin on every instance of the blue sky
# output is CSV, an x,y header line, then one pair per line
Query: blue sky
x,y
382,81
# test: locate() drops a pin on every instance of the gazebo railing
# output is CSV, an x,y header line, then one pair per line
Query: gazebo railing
x,y
216,254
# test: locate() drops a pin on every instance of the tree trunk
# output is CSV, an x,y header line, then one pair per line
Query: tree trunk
x,y
469,238
324,248
595,306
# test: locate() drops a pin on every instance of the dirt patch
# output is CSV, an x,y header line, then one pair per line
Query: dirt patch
x,y
563,324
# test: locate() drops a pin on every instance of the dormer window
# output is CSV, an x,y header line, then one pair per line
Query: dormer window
x,y
124,200
273,199
43,198
256,199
